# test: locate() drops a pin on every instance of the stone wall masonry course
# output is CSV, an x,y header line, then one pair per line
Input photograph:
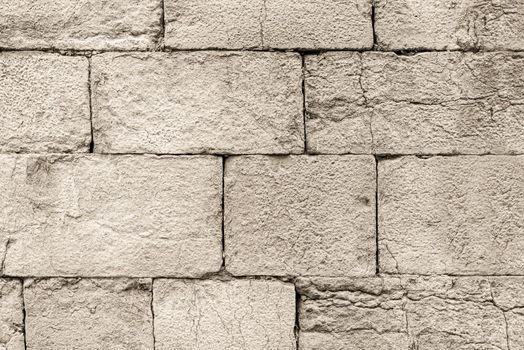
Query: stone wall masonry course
x,y
449,24
263,24
300,215
213,314
451,215
80,24
199,102
410,312
93,216
44,103
86,314
11,315
427,103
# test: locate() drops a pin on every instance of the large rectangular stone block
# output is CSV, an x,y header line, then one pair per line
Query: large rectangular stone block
x,y
80,24
212,102
87,314
409,312
44,102
300,215
213,314
451,215
11,315
140,216
450,24
428,103
248,24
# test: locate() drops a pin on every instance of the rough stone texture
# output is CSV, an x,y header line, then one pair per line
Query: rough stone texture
x,y
337,117
428,103
198,102
450,24
97,215
300,215
423,313
44,102
248,24
80,24
235,315
86,314
453,215
11,315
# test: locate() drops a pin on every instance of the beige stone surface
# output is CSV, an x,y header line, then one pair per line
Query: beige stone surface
x,y
300,215
11,315
428,103
248,24
80,24
198,102
453,215
318,24
44,102
87,314
411,312
100,215
508,294
337,117
235,315
449,24
198,24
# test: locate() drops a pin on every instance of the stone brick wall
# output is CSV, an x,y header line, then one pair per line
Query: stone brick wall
x,y
262,175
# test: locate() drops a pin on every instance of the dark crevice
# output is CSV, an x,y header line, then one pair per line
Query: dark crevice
x,y
162,37
24,315
302,51
375,45
153,312
377,252
304,100
297,317
227,276
276,155
223,267
92,142
6,248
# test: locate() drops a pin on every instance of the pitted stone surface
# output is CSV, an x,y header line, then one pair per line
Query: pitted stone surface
x,y
11,315
80,24
409,312
199,102
248,24
300,215
86,314
449,24
428,103
44,103
451,215
98,215
236,315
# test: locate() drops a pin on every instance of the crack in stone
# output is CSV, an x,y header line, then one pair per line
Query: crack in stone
x,y
6,247
262,20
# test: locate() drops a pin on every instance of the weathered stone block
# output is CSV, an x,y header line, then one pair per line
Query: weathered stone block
x,y
409,312
86,314
337,117
44,103
140,216
248,24
451,215
11,315
198,102
429,103
212,314
450,24
80,24
300,215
